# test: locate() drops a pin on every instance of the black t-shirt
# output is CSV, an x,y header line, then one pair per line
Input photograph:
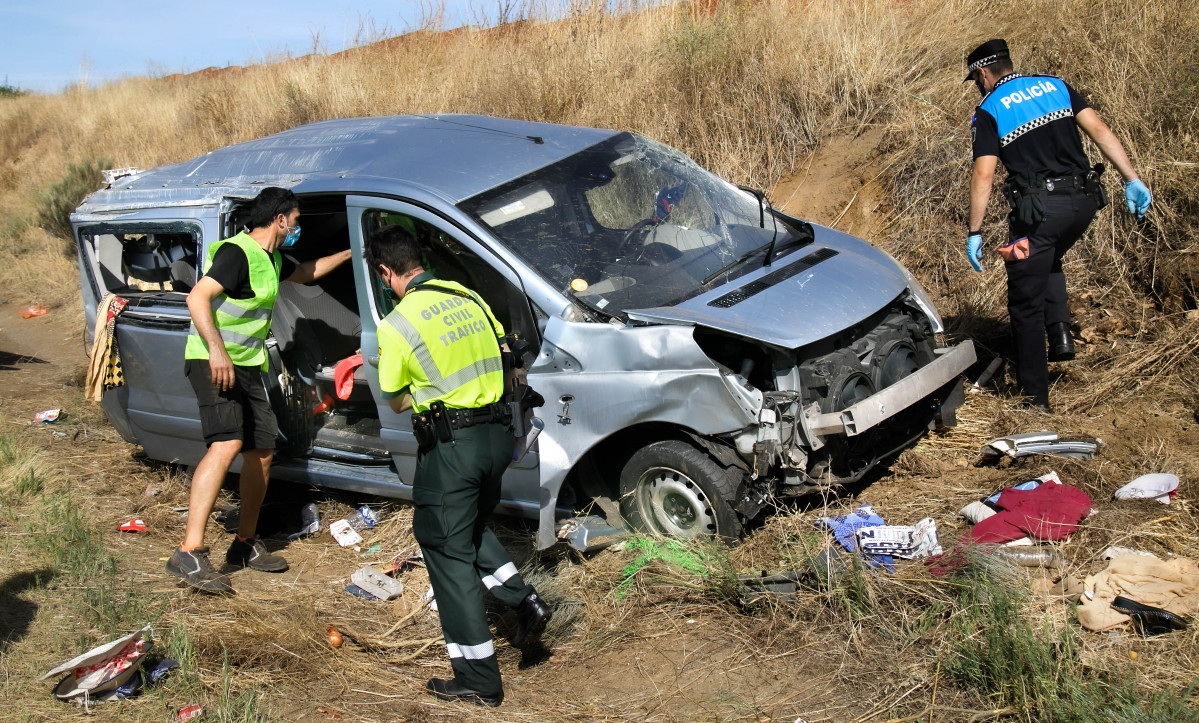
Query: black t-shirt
x,y
1028,122
231,269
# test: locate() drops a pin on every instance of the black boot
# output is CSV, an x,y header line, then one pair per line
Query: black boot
x,y
453,690
532,615
1061,345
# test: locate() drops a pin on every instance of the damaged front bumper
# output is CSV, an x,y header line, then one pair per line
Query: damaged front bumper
x,y
883,405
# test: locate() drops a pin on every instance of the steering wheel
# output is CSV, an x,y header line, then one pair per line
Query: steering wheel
x,y
636,232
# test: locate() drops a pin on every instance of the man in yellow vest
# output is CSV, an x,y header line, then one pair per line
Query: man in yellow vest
x,y
225,356
440,355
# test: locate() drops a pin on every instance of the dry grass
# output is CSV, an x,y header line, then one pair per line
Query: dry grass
x,y
746,88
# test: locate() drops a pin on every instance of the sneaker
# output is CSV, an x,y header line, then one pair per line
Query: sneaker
x,y
194,568
252,554
532,615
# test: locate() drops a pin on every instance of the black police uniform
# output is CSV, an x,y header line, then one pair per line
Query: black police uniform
x,y
1029,123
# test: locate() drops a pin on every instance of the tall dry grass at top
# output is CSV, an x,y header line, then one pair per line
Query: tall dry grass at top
x,y
744,87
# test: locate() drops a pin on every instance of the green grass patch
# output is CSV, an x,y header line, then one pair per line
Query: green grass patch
x,y
58,201
705,560
998,652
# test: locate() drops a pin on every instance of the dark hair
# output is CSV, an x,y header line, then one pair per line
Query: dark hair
x,y
394,247
1001,67
271,202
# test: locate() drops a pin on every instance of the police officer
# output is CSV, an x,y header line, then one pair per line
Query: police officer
x,y
440,355
231,307
1031,122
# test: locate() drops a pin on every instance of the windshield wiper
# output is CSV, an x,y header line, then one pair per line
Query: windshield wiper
x,y
774,236
740,260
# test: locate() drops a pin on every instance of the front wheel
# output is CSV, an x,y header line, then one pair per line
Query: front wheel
x,y
673,489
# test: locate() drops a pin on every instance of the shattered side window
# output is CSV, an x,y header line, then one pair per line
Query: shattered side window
x,y
141,258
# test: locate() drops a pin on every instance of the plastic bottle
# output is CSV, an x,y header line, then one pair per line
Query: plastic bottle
x,y
1030,556
362,519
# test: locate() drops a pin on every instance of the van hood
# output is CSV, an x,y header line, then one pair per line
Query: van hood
x,y
807,295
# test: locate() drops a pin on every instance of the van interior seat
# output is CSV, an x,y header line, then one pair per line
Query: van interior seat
x,y
315,330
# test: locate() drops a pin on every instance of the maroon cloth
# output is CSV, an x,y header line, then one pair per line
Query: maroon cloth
x,y
1050,512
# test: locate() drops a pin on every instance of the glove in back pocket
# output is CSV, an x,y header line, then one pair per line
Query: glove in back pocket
x,y
1015,251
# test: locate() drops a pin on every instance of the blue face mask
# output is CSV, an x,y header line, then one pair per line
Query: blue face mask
x,y
293,235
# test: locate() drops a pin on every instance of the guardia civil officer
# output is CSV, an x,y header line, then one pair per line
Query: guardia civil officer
x,y
231,308
1031,122
440,355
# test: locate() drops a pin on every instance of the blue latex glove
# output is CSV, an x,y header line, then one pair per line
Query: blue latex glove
x,y
1138,197
974,250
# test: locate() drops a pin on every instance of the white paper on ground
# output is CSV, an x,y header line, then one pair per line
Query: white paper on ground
x,y
344,534
910,542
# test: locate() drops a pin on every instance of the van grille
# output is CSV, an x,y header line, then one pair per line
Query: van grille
x,y
758,286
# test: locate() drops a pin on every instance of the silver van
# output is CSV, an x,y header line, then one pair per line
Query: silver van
x,y
701,354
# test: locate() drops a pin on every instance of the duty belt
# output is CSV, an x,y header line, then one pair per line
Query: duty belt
x,y
437,423
1065,184
462,418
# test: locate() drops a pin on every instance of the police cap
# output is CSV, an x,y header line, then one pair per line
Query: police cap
x,y
989,52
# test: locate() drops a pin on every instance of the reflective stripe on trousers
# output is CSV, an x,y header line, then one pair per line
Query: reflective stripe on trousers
x,y
500,576
471,652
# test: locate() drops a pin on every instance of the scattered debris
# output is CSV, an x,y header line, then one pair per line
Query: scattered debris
x,y
372,550
310,521
376,583
133,526
97,674
334,638
151,490
359,592
1049,511
345,535
590,532
1171,585
1029,556
143,678
986,375
823,568
32,310
845,529
50,416
1159,486
910,542
1147,619
1047,443
188,712
1113,552
363,519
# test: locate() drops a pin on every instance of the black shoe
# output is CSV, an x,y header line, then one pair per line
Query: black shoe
x,y
252,554
1027,403
453,690
194,568
532,615
1061,344
1148,619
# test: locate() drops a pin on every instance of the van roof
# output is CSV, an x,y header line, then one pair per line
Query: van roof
x,y
453,156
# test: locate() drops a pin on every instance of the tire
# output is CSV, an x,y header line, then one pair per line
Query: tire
x,y
673,489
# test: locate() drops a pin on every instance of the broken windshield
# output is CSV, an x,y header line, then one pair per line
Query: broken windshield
x,y
630,224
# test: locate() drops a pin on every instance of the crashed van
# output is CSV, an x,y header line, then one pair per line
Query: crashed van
x,y
702,355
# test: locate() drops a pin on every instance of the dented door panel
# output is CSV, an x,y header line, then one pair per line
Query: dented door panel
x,y
598,379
